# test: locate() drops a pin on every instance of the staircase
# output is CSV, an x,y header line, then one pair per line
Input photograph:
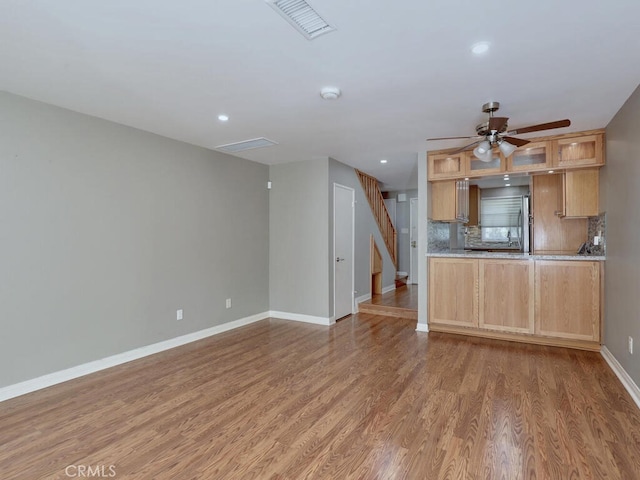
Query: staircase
x,y
380,213
401,280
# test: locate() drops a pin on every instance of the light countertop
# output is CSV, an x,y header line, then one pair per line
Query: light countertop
x,y
516,255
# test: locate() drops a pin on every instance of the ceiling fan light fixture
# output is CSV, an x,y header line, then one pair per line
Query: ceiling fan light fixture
x,y
485,156
484,147
506,148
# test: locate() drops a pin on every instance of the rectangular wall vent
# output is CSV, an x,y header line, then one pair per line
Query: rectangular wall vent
x,y
245,145
302,16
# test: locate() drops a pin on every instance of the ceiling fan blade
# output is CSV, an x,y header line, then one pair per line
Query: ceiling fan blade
x,y
542,126
497,123
462,149
518,142
451,138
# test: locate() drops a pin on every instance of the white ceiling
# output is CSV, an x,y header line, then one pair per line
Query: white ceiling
x,y
405,70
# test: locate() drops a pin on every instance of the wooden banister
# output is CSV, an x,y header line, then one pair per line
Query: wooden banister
x,y
380,213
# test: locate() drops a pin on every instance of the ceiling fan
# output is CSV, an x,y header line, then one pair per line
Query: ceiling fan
x,y
494,133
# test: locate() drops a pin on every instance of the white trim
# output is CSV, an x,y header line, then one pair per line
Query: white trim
x,y
621,373
363,298
353,247
360,299
299,317
413,276
402,274
54,378
388,288
422,327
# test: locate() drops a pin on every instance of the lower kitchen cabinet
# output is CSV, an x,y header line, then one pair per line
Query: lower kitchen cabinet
x,y
453,291
506,295
568,299
550,302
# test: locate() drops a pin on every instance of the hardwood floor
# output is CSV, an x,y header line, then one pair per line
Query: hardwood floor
x,y
363,399
401,303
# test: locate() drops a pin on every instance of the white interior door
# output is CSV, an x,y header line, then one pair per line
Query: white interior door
x,y
343,246
413,240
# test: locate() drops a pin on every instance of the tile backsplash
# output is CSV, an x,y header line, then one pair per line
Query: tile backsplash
x,y
597,226
439,235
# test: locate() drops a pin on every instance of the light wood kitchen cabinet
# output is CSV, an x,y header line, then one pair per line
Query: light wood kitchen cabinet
x,y
453,291
581,193
474,206
531,157
567,299
450,201
578,151
551,231
477,168
445,165
506,301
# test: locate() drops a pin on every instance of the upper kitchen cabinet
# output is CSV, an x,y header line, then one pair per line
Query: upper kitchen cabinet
x,y
450,201
580,193
445,165
578,151
530,158
474,167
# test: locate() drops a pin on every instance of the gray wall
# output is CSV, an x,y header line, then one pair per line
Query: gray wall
x,y
106,230
299,250
365,226
620,198
403,220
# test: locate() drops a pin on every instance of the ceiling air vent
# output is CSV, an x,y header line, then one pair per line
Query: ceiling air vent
x,y
246,145
302,16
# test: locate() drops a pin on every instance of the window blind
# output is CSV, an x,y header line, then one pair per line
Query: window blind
x,y
500,211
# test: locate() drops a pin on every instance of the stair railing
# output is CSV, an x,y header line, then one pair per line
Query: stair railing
x,y
380,213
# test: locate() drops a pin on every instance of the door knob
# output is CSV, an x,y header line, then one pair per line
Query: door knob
x,y
338,259
413,244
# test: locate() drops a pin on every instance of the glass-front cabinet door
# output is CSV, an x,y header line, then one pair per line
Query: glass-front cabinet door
x,y
578,151
477,168
531,157
445,165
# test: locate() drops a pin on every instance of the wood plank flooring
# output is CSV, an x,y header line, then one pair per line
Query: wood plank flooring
x,y
400,303
364,399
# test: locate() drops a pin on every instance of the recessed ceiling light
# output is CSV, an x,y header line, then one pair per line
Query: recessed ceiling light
x,y
383,161
550,171
466,178
223,118
480,48
507,184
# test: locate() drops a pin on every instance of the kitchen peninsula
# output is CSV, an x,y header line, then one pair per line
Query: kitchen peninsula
x,y
553,296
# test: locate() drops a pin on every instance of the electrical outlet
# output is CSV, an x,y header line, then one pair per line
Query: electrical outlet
x,y
631,345
228,304
596,240
179,314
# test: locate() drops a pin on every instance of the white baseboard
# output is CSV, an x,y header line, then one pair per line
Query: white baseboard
x,y
54,378
388,288
622,374
299,317
422,327
360,299
363,298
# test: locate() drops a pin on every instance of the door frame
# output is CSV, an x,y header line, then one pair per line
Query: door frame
x,y
353,246
413,276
